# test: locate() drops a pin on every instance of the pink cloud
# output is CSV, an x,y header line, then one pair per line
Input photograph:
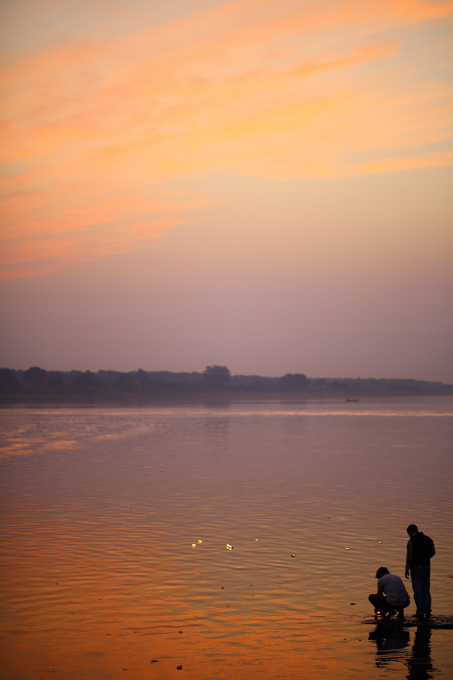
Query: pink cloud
x,y
422,160
93,129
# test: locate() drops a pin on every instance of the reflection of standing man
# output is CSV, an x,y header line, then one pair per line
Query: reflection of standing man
x,y
420,549
419,663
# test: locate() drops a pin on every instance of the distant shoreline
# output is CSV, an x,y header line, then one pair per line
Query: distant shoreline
x,y
216,384
208,399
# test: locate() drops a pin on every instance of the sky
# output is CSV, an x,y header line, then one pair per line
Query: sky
x,y
261,184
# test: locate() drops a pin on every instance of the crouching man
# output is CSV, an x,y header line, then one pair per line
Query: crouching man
x,y
391,596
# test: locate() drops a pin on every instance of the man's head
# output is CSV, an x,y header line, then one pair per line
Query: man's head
x,y
381,572
412,529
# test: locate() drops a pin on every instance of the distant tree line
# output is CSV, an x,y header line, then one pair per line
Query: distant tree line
x,y
38,384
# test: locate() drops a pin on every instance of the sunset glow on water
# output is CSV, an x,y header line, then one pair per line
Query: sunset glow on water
x,y
237,542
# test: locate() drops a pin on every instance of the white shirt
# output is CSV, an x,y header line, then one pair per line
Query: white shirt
x,y
394,589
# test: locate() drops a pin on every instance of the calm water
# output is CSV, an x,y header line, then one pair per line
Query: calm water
x,y
238,541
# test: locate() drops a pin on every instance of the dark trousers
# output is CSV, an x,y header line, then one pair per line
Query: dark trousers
x,y
381,605
420,577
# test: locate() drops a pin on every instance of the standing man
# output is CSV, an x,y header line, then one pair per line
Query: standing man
x,y
420,549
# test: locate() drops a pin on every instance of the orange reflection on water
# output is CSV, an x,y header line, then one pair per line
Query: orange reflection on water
x,y
123,604
101,579
119,603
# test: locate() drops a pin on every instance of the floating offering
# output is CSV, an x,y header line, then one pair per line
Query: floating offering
x,y
229,547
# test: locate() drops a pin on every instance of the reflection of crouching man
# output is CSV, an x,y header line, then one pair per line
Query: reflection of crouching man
x,y
391,594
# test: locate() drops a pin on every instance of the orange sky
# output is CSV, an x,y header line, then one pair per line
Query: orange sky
x,y
132,130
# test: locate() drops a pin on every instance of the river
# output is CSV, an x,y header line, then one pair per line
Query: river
x,y
229,542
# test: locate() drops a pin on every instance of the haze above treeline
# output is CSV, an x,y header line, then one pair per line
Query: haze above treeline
x,y
36,383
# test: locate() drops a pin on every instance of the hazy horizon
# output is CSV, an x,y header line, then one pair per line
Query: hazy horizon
x,y
232,373
261,186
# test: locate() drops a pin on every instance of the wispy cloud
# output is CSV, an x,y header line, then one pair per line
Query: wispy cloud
x,y
95,130
53,226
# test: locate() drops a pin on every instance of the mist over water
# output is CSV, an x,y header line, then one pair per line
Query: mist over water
x,y
237,541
